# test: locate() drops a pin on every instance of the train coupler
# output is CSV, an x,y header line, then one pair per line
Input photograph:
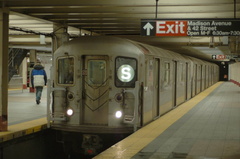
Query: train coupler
x,y
91,144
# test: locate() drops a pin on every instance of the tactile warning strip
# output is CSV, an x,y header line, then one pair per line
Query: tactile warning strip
x,y
131,145
22,129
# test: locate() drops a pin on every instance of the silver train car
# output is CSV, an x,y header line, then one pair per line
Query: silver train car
x,y
103,86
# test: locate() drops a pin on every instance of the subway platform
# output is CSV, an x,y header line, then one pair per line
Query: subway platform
x,y
24,115
205,127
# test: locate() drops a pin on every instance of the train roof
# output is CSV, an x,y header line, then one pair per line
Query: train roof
x,y
101,43
162,52
110,44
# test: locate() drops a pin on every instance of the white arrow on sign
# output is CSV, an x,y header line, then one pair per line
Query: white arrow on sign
x,y
148,27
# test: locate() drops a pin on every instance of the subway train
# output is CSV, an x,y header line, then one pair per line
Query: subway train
x,y
103,88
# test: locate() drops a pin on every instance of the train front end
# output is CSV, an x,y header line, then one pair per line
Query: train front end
x,y
94,96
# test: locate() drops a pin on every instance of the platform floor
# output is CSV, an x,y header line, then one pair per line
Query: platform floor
x,y
205,127
24,115
22,106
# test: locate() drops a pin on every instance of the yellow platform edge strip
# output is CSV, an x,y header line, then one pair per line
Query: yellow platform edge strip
x,y
131,145
22,129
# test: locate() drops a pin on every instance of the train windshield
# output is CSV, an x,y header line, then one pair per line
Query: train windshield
x,y
126,72
96,72
66,70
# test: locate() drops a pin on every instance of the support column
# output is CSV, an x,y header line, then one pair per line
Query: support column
x,y
33,57
234,44
60,36
33,60
24,73
4,24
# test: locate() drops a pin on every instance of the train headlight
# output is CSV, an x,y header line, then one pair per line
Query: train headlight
x,y
118,114
69,111
125,73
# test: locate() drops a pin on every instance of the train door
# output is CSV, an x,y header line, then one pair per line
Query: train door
x,y
212,73
207,73
199,78
205,77
186,83
202,78
95,90
175,83
196,78
156,93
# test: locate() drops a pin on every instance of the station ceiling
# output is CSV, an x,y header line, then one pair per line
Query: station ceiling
x,y
31,21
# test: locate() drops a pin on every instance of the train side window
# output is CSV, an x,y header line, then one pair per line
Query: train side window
x,y
66,70
126,72
96,72
167,73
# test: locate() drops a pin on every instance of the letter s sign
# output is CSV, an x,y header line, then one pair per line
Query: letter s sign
x,y
125,73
